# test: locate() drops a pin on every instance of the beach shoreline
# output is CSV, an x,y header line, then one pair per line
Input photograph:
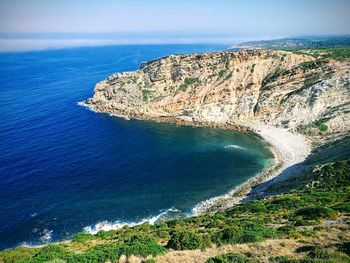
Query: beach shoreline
x,y
289,148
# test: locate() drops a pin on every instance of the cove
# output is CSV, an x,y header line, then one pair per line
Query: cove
x,y
64,169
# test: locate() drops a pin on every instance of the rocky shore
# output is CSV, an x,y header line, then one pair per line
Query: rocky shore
x,y
288,99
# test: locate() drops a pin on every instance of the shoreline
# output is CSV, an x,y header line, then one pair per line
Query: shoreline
x,y
286,153
287,147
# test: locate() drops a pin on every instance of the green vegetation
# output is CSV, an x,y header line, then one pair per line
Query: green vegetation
x,y
183,87
222,73
324,197
316,212
188,82
98,253
323,127
302,43
273,76
337,47
123,90
252,69
145,95
315,255
191,81
316,125
188,239
230,258
228,76
325,53
312,64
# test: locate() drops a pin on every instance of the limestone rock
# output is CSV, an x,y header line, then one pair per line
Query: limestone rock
x,y
279,88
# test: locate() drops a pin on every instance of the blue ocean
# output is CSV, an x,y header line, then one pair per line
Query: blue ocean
x,y
65,169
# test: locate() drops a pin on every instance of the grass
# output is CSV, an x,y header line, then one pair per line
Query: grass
x,y
337,53
252,222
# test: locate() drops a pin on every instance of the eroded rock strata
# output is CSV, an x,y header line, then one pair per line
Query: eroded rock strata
x,y
279,88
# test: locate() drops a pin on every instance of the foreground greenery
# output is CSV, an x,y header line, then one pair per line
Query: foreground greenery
x,y
281,216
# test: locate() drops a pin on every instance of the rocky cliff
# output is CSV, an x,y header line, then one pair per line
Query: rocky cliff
x,y
279,88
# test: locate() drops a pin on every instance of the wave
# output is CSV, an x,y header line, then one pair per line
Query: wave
x,y
46,236
119,116
83,104
106,226
233,146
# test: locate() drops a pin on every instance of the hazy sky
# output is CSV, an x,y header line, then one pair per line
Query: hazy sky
x,y
239,19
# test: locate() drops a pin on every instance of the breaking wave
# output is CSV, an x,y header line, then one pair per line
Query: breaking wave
x,y
106,226
233,146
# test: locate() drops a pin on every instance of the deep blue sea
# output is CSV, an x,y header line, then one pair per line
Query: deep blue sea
x,y
65,169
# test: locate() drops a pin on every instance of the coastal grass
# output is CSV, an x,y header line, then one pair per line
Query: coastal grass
x,y
296,214
336,53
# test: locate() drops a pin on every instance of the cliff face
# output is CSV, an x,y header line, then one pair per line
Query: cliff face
x,y
273,87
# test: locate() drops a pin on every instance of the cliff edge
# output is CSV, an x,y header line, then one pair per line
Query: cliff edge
x,y
278,88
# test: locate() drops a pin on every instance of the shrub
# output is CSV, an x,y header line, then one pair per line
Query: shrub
x,y
316,212
51,252
82,237
19,254
229,258
183,87
99,253
112,252
343,207
250,237
328,255
226,236
248,233
190,81
283,259
285,202
253,207
187,239
141,248
222,73
104,234
145,94
252,69
288,230
323,127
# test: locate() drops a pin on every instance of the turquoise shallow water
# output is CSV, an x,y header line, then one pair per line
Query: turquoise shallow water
x,y
64,169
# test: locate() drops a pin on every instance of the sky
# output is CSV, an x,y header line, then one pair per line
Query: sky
x,y
26,23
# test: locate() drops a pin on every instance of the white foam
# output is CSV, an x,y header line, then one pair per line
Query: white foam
x,y
87,106
46,236
106,226
34,215
119,116
233,146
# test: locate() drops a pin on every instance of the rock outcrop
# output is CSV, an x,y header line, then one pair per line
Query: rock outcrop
x,y
279,88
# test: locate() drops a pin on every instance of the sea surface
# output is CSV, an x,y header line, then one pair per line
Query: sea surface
x,y
65,169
